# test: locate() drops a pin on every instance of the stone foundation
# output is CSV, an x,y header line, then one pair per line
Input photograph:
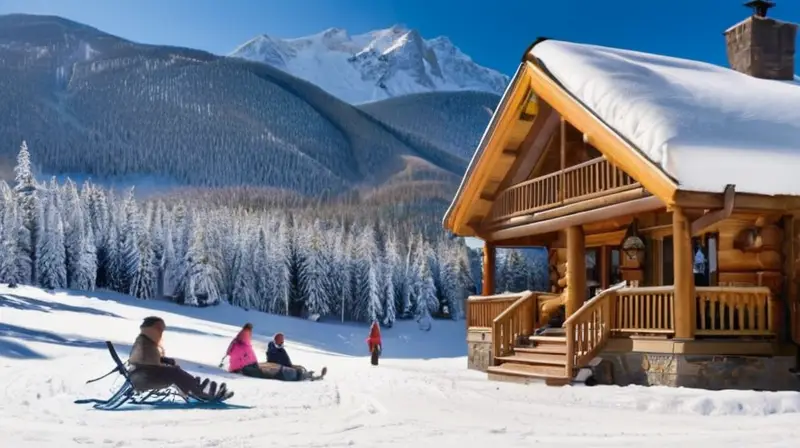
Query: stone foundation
x,y
479,349
714,372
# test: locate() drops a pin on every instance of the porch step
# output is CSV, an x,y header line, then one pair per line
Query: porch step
x,y
548,359
525,373
548,340
543,348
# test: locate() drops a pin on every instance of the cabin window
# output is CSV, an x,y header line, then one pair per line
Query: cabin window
x,y
592,271
704,252
667,266
614,273
711,251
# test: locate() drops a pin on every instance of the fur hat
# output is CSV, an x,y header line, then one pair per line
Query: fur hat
x,y
151,321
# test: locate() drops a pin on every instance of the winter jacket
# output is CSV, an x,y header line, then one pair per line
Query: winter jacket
x,y
374,339
241,354
146,352
278,355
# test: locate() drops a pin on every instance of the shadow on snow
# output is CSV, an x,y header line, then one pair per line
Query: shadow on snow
x,y
30,304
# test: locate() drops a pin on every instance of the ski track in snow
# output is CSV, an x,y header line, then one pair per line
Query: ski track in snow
x,y
47,352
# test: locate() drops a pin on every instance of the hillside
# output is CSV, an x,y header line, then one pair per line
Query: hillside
x,y
92,104
376,65
438,119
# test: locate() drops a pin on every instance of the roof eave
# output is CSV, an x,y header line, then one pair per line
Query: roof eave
x,y
455,209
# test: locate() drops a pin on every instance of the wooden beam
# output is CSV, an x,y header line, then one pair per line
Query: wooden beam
x,y
569,209
541,240
533,147
713,217
647,204
489,259
684,302
490,151
576,270
616,149
743,201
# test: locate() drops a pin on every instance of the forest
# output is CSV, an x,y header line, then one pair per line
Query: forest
x,y
295,262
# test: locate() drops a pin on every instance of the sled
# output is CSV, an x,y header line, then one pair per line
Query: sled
x,y
127,394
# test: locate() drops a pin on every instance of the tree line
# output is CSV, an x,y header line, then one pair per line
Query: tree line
x,y
282,261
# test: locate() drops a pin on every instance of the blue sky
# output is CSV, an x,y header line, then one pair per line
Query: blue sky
x,y
494,32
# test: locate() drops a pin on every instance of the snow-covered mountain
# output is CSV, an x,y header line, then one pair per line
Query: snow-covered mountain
x,y
376,65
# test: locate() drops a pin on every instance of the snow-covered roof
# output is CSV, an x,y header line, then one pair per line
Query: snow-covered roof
x,y
705,125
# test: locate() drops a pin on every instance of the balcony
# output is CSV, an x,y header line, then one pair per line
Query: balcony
x,y
594,178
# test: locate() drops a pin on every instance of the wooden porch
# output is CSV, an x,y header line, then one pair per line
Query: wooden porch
x,y
617,313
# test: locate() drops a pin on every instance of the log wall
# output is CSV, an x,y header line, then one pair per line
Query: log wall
x,y
749,251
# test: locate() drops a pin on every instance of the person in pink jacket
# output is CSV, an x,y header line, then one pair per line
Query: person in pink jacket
x,y
241,356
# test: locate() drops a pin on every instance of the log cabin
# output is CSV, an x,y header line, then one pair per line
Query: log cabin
x,y
667,194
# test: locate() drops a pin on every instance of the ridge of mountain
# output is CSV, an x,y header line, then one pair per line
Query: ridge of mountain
x,y
376,65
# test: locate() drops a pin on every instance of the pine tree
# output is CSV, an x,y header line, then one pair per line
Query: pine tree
x,y
51,263
426,293
30,212
200,285
313,273
244,293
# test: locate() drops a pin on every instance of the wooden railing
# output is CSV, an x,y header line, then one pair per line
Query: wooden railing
x,y
647,310
515,321
588,329
596,177
735,311
481,310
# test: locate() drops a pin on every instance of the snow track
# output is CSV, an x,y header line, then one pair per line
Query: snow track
x,y
47,354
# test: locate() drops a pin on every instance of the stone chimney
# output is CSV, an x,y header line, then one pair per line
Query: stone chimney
x,y
760,46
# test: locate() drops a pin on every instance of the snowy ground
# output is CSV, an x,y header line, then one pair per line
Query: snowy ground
x,y
421,395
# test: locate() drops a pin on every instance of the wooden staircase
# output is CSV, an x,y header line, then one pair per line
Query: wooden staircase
x,y
545,360
557,355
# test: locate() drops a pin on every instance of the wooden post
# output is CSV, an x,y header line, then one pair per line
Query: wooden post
x,y
685,302
563,153
605,267
576,270
789,289
488,268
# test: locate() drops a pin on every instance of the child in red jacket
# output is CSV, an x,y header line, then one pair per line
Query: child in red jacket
x,y
374,342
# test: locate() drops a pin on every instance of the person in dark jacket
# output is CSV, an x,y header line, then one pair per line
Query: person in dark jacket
x,y
276,353
150,369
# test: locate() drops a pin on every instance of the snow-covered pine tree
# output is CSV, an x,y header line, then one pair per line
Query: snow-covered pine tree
x,y
452,291
129,256
279,259
244,293
156,232
85,274
514,276
368,290
264,285
51,263
201,284
313,271
74,231
392,263
30,212
14,266
426,302
169,263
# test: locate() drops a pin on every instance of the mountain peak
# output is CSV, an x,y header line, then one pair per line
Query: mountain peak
x,y
375,65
